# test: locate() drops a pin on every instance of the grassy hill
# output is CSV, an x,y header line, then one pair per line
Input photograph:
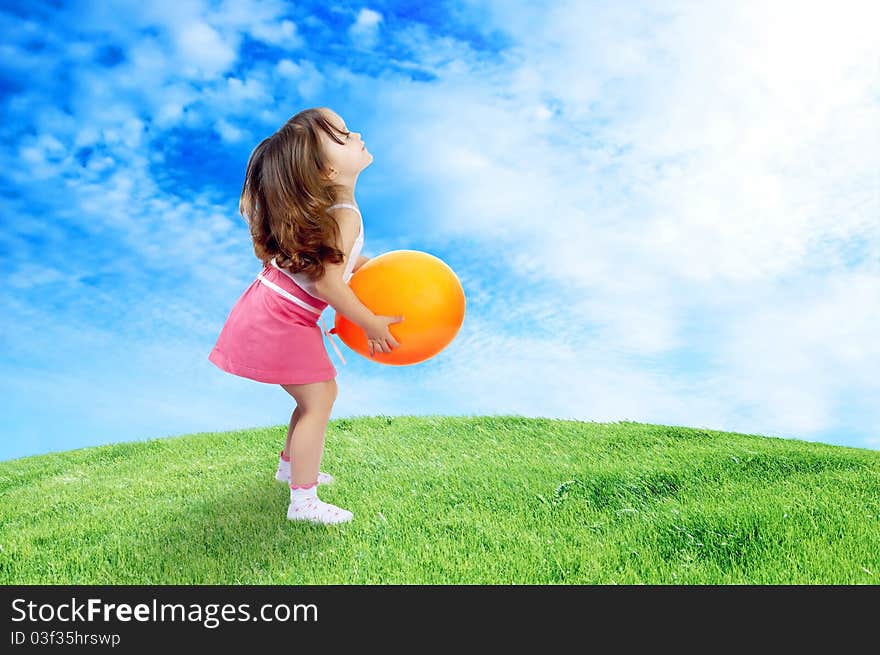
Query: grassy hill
x,y
443,500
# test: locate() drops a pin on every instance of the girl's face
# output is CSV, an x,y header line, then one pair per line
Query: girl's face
x,y
349,157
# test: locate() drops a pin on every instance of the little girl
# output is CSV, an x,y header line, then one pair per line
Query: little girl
x,y
298,199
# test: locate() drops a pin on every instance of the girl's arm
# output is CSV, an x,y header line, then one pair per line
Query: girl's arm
x,y
360,262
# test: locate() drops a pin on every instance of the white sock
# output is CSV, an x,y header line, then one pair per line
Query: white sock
x,y
284,471
306,506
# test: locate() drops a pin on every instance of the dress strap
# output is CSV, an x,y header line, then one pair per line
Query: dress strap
x,y
330,334
345,204
287,294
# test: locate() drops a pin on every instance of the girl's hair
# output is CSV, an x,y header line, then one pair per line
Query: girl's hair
x,y
284,201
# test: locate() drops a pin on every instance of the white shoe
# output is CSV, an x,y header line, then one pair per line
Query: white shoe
x,y
283,473
308,507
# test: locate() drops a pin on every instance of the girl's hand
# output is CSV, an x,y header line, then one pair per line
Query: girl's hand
x,y
379,336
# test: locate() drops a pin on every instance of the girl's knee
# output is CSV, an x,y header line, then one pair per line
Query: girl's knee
x,y
317,396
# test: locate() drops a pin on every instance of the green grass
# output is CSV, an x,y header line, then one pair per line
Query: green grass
x,y
450,500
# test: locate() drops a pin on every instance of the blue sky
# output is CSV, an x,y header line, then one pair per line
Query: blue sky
x,y
660,212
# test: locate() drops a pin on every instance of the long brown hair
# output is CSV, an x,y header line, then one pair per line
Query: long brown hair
x,y
285,201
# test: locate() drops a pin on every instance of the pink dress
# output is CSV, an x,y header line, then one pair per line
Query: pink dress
x,y
272,333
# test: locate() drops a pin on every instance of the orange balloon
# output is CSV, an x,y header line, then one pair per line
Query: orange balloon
x,y
420,287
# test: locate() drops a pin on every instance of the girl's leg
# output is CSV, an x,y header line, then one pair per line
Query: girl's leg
x,y
284,473
306,447
315,404
293,419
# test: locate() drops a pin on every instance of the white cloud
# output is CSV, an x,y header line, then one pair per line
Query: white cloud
x,y
681,177
262,20
203,50
283,33
288,68
168,111
248,91
310,81
795,354
228,131
364,32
